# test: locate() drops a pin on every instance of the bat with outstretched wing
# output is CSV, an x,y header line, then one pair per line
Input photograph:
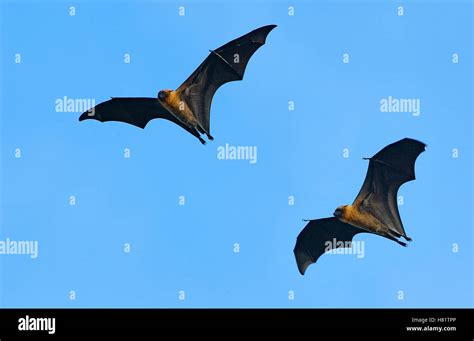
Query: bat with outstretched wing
x,y
189,105
374,210
320,236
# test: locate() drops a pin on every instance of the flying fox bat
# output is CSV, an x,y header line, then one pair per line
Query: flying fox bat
x,y
189,105
374,210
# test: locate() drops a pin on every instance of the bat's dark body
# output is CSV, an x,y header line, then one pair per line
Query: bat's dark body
x,y
374,210
189,105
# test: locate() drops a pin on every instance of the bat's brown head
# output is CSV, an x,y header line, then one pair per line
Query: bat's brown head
x,y
163,94
340,212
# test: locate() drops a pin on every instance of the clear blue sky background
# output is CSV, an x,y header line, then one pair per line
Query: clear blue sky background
x,y
190,247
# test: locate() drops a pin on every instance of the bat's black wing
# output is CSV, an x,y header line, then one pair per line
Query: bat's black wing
x,y
224,64
319,236
133,110
388,170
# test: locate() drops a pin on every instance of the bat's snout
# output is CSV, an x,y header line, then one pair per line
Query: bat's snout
x,y
338,212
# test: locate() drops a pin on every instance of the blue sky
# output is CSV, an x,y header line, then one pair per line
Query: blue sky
x,y
190,247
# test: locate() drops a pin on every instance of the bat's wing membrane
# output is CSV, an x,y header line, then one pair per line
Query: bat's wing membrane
x,y
224,64
319,236
133,110
390,168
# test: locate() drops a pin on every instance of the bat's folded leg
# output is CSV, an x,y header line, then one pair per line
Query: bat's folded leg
x,y
397,235
196,134
399,242
203,131
394,236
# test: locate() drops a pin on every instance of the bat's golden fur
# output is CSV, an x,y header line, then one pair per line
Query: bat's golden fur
x,y
351,214
174,104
